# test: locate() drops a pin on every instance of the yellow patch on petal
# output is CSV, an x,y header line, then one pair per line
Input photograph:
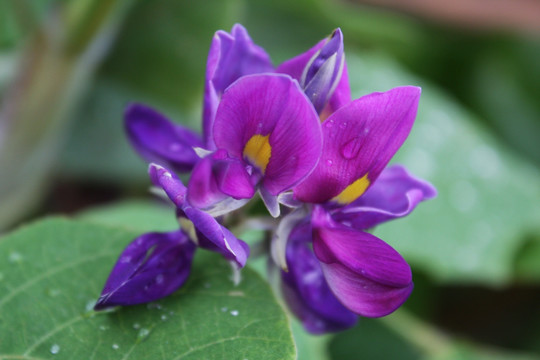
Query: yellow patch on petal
x,y
258,150
188,228
353,191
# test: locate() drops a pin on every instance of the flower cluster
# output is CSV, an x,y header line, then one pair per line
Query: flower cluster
x,y
293,136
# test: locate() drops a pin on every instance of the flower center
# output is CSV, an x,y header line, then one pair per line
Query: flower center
x,y
258,151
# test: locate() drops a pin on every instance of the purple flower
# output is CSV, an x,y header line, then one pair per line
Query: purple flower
x,y
256,131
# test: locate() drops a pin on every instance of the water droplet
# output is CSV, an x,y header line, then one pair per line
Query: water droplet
x,y
351,149
163,317
136,326
175,147
234,312
125,259
143,333
15,257
343,125
329,123
55,349
329,162
115,346
160,278
223,309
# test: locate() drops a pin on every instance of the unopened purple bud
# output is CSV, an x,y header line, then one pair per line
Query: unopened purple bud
x,y
323,71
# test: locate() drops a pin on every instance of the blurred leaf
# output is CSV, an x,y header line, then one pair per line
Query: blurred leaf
x,y
489,198
163,46
135,215
310,347
52,272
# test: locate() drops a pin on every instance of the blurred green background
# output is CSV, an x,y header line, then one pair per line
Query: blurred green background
x,y
68,69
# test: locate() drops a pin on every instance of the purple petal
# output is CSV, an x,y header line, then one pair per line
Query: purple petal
x,y
295,67
231,56
169,182
359,140
272,110
153,266
323,72
217,177
395,194
306,290
367,275
213,236
159,140
362,295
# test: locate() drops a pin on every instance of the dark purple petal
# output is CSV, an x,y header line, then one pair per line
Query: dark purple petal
x,y
230,57
359,140
213,236
367,275
395,194
159,140
295,68
268,121
153,266
169,182
217,177
323,71
306,291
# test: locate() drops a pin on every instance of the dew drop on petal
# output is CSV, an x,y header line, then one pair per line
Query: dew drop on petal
x,y
55,349
160,278
343,125
351,148
329,162
329,123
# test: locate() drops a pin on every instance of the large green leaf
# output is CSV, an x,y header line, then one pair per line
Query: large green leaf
x,y
489,199
51,273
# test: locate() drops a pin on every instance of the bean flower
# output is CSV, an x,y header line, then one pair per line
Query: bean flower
x,y
287,135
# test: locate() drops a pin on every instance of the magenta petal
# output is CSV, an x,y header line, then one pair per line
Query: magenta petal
x,y
231,56
395,194
273,106
213,236
306,291
362,295
359,140
217,177
159,140
153,266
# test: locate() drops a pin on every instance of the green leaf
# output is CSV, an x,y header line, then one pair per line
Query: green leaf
x,y
136,215
488,197
51,273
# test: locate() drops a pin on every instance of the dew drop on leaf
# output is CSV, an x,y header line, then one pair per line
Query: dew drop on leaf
x,y
55,349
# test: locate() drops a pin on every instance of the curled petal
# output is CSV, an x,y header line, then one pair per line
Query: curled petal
x,y
169,182
260,119
362,295
214,236
231,56
216,178
395,194
159,140
306,291
340,94
367,275
359,141
153,266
